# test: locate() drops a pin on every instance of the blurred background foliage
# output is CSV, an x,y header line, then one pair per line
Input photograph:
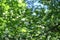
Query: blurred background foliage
x,y
29,19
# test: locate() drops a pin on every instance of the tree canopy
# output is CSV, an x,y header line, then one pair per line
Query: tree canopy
x,y
29,19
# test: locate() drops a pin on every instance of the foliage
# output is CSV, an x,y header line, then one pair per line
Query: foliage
x,y
19,20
